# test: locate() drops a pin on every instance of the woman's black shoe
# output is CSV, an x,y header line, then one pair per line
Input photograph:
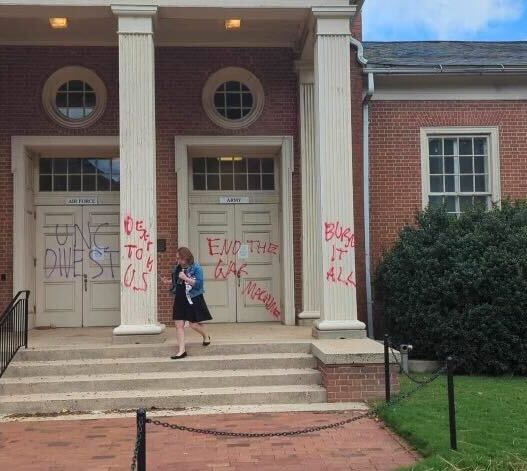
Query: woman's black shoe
x,y
177,357
207,343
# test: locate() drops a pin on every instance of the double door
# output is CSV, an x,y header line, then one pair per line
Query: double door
x,y
77,266
239,248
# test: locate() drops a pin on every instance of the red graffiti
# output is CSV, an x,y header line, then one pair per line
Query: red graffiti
x,y
222,247
128,225
336,275
267,299
342,241
137,251
335,230
224,270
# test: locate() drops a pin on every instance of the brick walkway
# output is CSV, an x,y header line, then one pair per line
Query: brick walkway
x,y
106,444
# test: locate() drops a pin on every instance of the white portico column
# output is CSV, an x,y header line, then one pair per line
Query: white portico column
x,y
333,157
138,172
311,282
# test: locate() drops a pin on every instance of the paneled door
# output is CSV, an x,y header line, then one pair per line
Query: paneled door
x,y
238,247
77,266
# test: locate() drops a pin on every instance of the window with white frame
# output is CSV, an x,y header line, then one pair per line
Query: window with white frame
x,y
460,171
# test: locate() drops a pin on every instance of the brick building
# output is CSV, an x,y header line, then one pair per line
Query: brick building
x,y
245,130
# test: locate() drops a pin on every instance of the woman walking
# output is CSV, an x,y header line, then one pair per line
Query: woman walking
x,y
189,303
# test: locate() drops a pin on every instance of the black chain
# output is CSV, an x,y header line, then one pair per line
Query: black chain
x,y
371,414
411,378
137,444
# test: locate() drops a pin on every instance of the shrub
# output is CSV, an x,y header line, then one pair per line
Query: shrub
x,y
458,286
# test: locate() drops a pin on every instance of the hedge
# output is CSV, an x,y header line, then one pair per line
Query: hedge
x,y
458,286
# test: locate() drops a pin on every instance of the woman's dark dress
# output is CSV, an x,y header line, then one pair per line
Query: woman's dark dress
x,y
183,311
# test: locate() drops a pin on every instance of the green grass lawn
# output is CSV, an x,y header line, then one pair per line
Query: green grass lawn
x,y
491,424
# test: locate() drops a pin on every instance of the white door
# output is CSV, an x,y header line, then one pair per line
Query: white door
x,y
238,247
77,264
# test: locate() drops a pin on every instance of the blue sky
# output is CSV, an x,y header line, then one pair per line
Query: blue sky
x,y
471,20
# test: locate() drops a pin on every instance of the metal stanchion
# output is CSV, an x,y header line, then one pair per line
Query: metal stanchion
x,y
141,431
387,367
451,403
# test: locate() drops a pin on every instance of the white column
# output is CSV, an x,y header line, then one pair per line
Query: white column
x,y
138,171
311,282
333,158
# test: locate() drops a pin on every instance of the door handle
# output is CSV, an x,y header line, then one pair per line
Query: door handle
x,y
85,282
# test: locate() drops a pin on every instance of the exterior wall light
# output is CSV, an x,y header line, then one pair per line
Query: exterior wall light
x,y
58,23
233,24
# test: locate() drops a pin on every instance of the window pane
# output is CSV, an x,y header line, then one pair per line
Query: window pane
x,y
450,184
268,182
436,184
219,100
103,183
240,166
74,165
199,182
435,201
61,100
467,184
450,203
254,165
465,146
436,165
75,86
60,166
479,164
254,182
60,183
450,146
89,166
233,86
213,166
465,165
74,183
482,201
240,181
45,183
116,167
46,165
247,100
213,182
480,146
198,165
436,146
226,166
234,113
227,182
267,165
88,182
234,100
449,165
481,183
465,202
90,100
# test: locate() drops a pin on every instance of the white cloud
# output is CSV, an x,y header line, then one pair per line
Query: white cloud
x,y
442,19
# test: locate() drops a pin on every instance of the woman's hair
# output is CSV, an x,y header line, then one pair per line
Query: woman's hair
x,y
186,254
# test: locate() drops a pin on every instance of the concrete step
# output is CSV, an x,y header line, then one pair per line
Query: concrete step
x,y
160,399
19,369
152,381
54,353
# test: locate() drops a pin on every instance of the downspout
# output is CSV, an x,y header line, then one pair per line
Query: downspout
x,y
366,182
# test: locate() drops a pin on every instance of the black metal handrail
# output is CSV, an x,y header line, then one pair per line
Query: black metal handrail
x,y
13,328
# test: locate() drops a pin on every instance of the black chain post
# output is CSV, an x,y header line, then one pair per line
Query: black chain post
x,y
451,403
387,367
141,431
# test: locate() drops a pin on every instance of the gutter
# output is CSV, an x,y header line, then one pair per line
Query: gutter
x,y
442,69
366,181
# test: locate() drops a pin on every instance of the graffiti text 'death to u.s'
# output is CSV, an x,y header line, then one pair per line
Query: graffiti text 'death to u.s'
x,y
342,244
138,245
66,258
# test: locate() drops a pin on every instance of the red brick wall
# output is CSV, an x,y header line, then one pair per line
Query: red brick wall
x,y
348,383
180,76
395,153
